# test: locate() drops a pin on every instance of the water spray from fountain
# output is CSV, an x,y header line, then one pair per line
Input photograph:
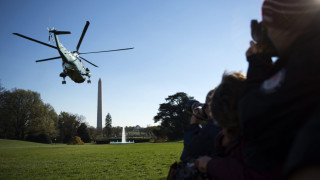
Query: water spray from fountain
x,y
123,140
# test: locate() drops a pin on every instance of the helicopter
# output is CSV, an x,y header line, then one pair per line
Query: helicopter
x,y
71,61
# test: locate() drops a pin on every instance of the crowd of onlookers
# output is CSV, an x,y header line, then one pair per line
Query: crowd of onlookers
x,y
265,124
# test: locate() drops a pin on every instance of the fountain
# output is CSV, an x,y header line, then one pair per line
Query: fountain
x,y
123,139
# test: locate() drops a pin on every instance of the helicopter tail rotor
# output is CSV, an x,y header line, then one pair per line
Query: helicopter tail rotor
x,y
50,39
54,31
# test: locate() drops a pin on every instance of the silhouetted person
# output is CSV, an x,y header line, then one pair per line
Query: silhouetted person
x,y
198,140
229,161
279,114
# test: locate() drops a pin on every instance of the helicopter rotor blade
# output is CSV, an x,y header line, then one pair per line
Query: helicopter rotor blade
x,y
49,59
35,40
60,32
107,51
88,61
82,35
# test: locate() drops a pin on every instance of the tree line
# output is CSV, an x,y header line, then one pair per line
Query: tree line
x,y
24,116
172,116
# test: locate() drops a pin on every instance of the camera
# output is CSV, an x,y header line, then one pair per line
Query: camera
x,y
259,34
193,105
185,170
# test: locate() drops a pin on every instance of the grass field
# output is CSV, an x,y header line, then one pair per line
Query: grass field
x,y
26,160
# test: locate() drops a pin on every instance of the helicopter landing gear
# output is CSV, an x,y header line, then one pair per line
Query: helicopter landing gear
x,y
89,75
63,75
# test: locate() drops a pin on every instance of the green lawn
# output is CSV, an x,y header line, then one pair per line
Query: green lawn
x,y
25,160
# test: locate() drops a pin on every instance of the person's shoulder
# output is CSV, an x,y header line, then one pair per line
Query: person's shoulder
x,y
194,127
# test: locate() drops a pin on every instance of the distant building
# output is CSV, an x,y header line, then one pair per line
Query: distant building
x,y
137,128
99,109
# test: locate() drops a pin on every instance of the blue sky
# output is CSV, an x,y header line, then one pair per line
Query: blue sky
x,y
180,46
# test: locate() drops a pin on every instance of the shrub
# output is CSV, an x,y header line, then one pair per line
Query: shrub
x,y
139,140
39,138
76,140
161,139
102,141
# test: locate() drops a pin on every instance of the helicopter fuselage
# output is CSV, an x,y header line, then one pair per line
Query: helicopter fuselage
x,y
72,64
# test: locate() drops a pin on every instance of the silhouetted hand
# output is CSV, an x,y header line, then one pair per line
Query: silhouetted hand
x,y
202,162
253,49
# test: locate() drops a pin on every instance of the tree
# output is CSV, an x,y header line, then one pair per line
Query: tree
x,y
83,133
45,124
1,88
6,124
173,116
148,131
93,133
108,126
23,111
68,125
116,131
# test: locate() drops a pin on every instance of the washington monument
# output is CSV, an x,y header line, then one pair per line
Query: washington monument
x,y
99,111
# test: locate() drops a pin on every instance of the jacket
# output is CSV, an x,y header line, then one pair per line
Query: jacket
x,y
278,100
